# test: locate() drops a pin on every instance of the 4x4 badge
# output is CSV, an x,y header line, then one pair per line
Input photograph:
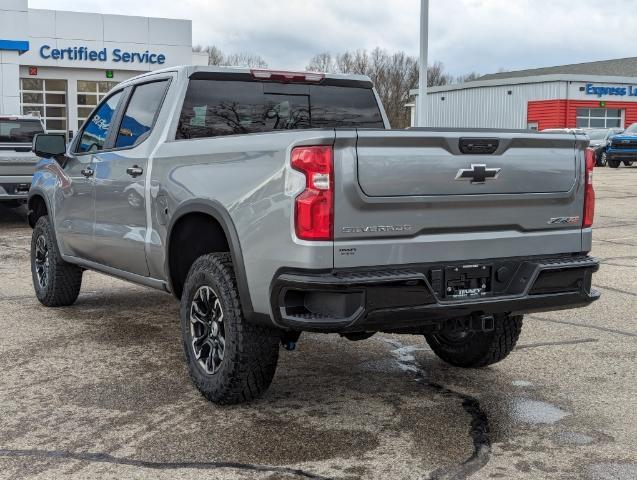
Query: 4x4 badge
x,y
478,173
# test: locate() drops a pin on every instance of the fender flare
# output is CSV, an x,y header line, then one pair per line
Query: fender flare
x,y
37,192
217,211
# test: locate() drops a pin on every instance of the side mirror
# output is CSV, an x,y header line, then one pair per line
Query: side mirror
x,y
49,145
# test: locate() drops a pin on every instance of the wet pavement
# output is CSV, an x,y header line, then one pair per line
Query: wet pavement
x,y
100,389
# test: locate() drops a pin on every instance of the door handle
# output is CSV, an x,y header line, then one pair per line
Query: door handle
x,y
87,172
135,171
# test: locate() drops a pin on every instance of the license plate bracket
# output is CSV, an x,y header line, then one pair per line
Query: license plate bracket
x,y
466,281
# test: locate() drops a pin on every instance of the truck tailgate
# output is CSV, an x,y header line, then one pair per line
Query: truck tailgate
x,y
17,162
416,164
429,195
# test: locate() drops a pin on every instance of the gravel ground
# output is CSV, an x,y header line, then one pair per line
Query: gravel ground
x,y
100,389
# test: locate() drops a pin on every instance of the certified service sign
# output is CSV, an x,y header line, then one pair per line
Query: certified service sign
x,y
115,55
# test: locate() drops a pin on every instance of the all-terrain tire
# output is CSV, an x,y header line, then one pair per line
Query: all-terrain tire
x,y
478,349
614,163
251,351
62,280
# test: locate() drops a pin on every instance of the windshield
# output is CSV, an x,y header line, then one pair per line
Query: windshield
x,y
631,129
597,134
19,131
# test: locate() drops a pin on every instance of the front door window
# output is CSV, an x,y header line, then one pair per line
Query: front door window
x,y
96,129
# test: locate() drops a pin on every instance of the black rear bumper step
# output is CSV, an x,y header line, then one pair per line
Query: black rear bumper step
x,y
398,298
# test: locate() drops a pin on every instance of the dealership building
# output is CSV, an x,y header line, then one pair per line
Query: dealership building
x,y
59,64
596,94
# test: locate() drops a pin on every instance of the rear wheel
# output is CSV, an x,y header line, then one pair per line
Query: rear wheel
x,y
613,163
628,163
470,349
56,282
229,360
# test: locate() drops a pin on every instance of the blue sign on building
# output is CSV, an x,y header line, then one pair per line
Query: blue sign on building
x,y
620,91
116,55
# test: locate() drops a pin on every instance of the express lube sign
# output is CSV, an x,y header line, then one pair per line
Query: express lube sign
x,y
116,55
613,90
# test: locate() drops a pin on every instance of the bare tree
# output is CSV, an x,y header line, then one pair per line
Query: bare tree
x,y
323,62
436,75
240,59
393,74
468,77
245,59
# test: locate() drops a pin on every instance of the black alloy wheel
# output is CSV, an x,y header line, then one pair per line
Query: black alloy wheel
x,y
41,261
207,330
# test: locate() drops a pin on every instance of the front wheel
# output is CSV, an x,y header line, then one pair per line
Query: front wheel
x,y
229,360
602,159
469,349
613,163
56,282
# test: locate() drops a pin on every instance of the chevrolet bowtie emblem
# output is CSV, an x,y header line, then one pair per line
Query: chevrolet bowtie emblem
x,y
478,173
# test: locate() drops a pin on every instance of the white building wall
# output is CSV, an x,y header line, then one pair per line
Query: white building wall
x,y
13,25
61,29
489,107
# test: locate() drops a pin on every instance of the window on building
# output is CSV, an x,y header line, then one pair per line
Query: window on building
x,y
46,98
600,118
140,113
89,94
96,130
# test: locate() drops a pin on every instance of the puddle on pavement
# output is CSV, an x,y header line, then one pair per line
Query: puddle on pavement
x,y
535,411
521,383
573,438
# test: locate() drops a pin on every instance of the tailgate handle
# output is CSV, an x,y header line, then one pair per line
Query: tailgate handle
x,y
479,146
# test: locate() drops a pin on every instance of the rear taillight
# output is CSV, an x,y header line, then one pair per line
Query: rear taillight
x,y
314,207
589,192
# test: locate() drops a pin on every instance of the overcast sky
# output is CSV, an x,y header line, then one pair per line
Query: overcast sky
x,y
466,35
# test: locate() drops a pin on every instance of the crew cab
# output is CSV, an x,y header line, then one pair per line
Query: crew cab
x,y
622,148
275,203
17,162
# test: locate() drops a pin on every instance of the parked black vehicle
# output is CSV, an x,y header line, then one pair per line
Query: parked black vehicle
x,y
600,138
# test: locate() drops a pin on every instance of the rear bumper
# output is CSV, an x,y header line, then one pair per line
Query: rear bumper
x,y
15,187
409,298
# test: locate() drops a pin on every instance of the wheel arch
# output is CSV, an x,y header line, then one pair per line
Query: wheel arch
x,y
217,213
37,206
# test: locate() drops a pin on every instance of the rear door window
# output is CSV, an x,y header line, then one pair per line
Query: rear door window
x,y
218,108
140,114
19,131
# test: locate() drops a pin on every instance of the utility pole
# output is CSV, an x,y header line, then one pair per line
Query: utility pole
x,y
421,104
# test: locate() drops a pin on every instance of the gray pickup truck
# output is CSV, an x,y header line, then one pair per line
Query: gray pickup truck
x,y
17,162
274,203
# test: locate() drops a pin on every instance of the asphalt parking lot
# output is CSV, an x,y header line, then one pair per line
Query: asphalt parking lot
x,y
100,389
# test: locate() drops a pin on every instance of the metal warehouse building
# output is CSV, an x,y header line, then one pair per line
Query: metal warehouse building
x,y
595,94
